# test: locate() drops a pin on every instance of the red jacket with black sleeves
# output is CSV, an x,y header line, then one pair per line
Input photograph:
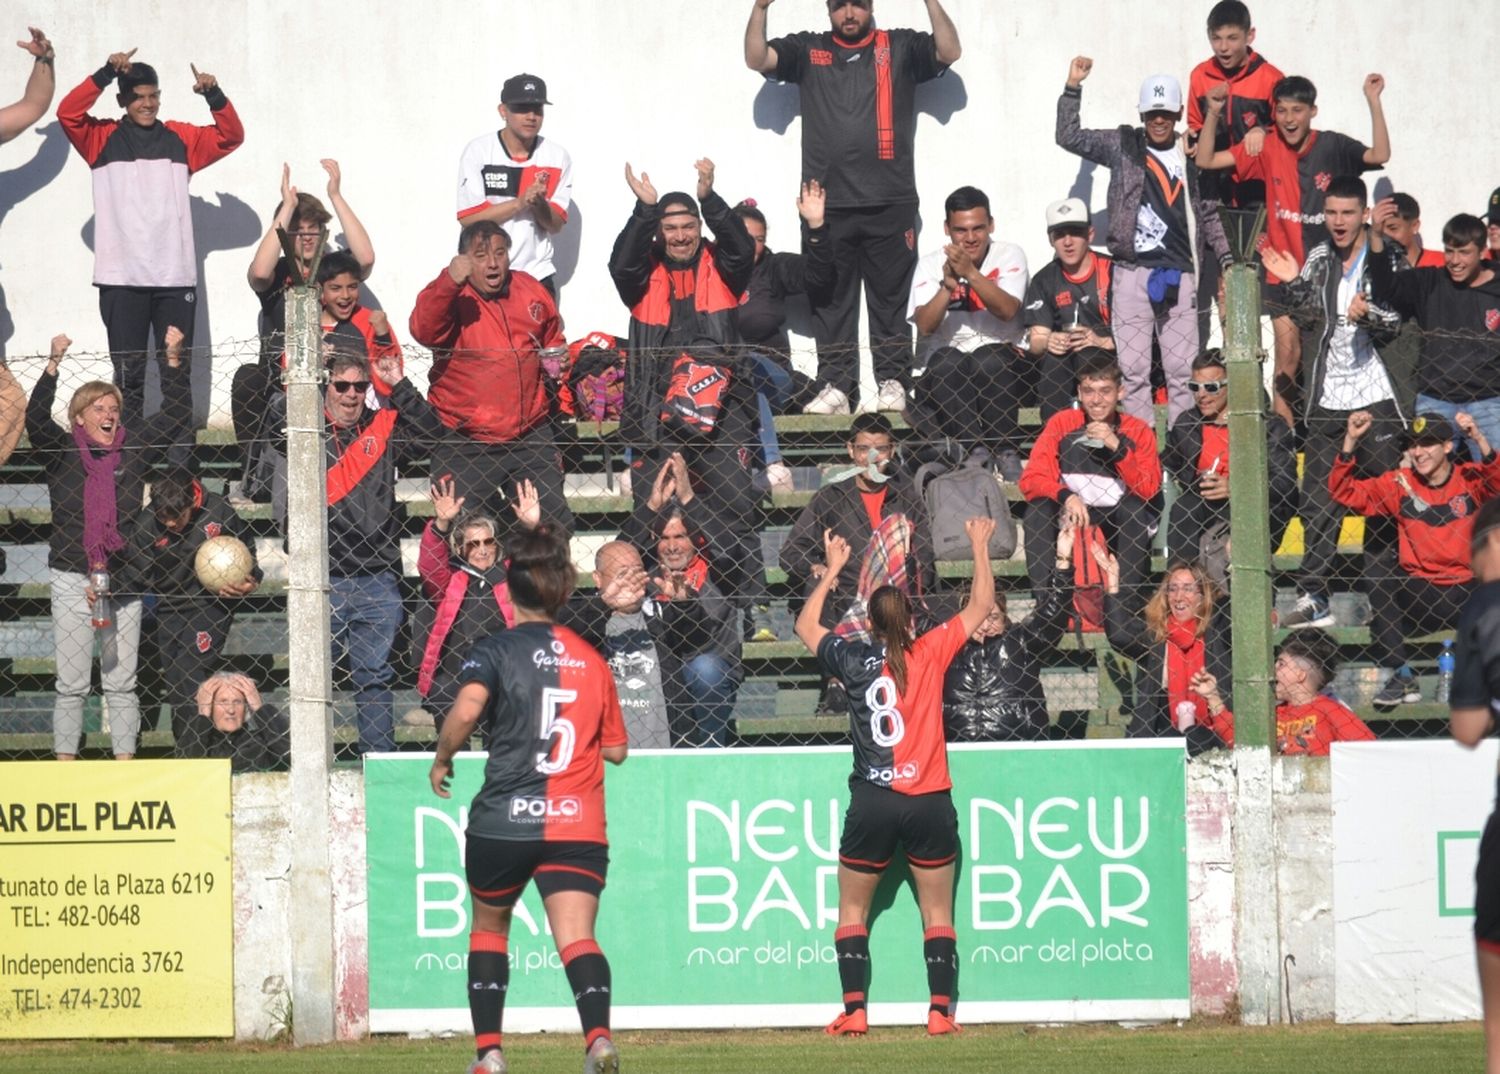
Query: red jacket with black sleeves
x,y
143,223
674,305
1433,522
486,379
1060,454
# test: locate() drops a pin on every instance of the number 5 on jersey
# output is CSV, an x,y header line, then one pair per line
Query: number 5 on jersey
x,y
558,731
886,724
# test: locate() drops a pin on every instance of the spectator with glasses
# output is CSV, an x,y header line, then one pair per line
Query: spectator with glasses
x,y
1197,456
362,450
463,578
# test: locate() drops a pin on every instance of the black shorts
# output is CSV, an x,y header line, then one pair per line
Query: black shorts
x,y
1487,885
498,869
925,826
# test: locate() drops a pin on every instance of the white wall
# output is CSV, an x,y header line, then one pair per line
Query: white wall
x,y
394,90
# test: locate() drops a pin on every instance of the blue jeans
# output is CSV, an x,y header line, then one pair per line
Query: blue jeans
x,y
1485,412
712,688
365,612
773,387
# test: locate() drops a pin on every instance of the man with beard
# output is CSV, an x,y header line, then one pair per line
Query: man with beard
x,y
858,88
682,292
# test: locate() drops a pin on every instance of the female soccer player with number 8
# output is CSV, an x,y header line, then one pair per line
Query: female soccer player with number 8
x,y
899,791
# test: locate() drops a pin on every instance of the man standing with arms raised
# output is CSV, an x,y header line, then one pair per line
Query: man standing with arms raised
x,y
858,130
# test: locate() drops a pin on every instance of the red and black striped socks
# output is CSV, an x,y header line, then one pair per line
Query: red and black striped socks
x,y
489,977
588,975
852,945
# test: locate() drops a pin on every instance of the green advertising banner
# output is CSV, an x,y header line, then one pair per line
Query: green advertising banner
x,y
1071,893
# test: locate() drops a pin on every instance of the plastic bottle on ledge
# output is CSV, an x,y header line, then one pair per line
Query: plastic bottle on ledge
x,y
103,613
1446,663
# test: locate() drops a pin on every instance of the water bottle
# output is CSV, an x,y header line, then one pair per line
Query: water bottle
x,y
1445,673
103,614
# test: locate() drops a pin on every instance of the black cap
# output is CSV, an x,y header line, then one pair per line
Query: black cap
x,y
1429,428
524,89
1493,215
685,201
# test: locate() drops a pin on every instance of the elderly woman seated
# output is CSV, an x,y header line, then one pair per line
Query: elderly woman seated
x,y
235,724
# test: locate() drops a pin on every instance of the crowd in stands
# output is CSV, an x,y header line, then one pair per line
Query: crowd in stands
x,y
1386,384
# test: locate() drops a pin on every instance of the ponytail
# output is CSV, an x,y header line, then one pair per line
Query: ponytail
x,y
890,623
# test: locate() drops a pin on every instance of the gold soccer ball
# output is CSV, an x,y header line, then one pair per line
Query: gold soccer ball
x,y
222,561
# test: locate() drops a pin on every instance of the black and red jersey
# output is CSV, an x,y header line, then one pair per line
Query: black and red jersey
x,y
859,110
552,707
1433,522
1249,106
1459,345
898,737
1296,180
1058,301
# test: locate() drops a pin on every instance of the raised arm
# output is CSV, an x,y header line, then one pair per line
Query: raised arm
x,y
1380,137
809,621
1205,156
982,592
1100,146
944,34
37,98
355,234
759,56
262,272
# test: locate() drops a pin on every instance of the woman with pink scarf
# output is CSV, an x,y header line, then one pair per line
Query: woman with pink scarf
x,y
96,475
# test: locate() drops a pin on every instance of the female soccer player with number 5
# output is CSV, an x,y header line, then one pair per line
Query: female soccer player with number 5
x,y
899,791
554,718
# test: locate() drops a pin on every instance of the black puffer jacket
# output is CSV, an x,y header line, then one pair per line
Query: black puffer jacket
x,y
993,689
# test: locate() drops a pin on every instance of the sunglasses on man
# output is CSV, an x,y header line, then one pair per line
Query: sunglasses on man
x,y
1212,387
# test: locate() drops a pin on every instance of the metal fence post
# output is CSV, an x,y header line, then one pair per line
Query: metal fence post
x,y
1250,567
310,675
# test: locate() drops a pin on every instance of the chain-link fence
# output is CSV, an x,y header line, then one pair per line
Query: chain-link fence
x,y
697,466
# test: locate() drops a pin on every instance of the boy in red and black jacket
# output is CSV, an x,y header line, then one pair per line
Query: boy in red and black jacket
x,y
1250,78
1434,502
1093,465
1296,163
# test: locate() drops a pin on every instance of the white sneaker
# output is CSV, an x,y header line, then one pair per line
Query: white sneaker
x,y
828,401
892,396
779,477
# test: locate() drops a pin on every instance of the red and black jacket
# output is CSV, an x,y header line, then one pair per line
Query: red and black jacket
x,y
673,306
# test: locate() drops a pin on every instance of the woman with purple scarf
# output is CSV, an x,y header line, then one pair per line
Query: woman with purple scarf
x,y
96,476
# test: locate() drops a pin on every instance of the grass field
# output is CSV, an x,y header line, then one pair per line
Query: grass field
x,y
1191,1049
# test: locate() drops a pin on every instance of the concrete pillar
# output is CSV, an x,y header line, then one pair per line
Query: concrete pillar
x,y
310,675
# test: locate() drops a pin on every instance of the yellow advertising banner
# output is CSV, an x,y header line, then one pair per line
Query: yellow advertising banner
x,y
115,899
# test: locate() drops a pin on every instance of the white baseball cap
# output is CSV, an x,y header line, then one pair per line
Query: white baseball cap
x,y
1161,93
1070,212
